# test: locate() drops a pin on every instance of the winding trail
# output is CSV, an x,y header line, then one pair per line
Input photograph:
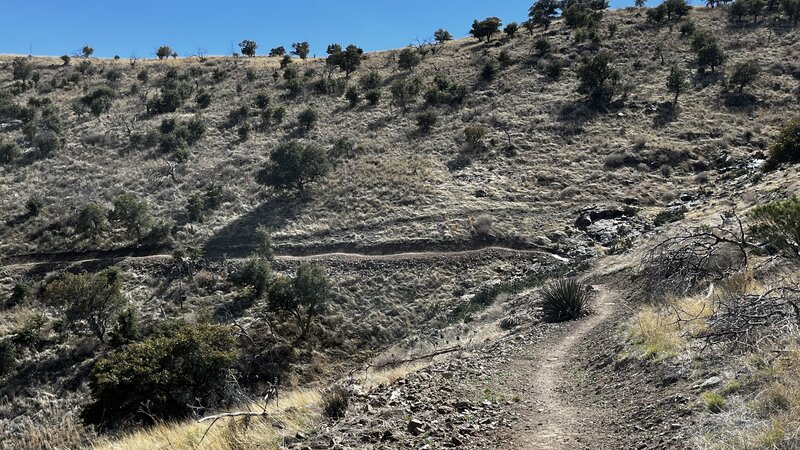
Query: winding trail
x,y
26,261
551,414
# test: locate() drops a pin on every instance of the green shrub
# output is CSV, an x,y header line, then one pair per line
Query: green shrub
x,y
248,47
89,300
445,92
255,274
473,136
599,80
489,71
408,58
405,92
542,46
195,207
294,165
187,365
92,220
786,148
347,60
133,214
34,205
564,299
306,120
19,293
713,402
687,28
303,297
335,401
21,68
371,80
203,99
426,121
127,327
669,215
352,96
744,74
301,50
778,223
9,152
47,142
373,97
511,29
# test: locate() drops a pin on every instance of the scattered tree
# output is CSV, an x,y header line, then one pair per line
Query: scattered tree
x,y
90,299
709,53
542,13
87,51
301,50
599,80
676,82
303,297
277,51
132,213
485,28
408,59
511,29
744,74
778,223
307,119
294,165
347,60
92,220
248,48
441,36
164,51
405,92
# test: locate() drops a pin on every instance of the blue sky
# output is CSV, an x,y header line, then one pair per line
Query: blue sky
x,y
127,27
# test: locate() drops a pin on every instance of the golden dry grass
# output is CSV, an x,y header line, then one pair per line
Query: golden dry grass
x,y
298,410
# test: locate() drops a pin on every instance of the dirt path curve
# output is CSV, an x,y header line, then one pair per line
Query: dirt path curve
x,y
551,414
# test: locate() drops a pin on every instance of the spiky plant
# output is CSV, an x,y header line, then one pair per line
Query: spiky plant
x,y
564,299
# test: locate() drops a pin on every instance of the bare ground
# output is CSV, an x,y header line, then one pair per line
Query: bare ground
x,y
551,418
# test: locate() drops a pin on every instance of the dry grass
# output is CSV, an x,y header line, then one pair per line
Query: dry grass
x,y
664,330
299,410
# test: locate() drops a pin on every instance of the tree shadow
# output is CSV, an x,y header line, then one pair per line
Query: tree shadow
x,y
237,238
741,101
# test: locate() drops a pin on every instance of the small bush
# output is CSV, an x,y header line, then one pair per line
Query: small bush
x,y
669,215
47,142
9,152
335,402
405,92
599,80
306,120
19,293
133,214
786,148
564,299
352,97
34,205
408,59
713,402
92,220
373,97
744,74
426,121
256,274
473,136
482,226
778,223
370,81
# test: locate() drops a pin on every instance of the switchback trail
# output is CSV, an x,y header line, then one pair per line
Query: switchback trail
x,y
551,414
369,253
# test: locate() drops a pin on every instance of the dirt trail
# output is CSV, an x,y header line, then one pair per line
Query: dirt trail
x,y
551,415
78,258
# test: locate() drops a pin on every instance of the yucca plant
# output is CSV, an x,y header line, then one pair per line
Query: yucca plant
x,y
564,299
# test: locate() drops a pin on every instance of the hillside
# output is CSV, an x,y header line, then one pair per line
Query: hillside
x,y
428,238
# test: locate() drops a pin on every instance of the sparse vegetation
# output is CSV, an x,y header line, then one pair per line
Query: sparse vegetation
x,y
786,148
564,299
294,165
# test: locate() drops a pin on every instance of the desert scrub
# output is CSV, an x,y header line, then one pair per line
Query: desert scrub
x,y
713,402
786,148
778,223
564,299
660,330
335,401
